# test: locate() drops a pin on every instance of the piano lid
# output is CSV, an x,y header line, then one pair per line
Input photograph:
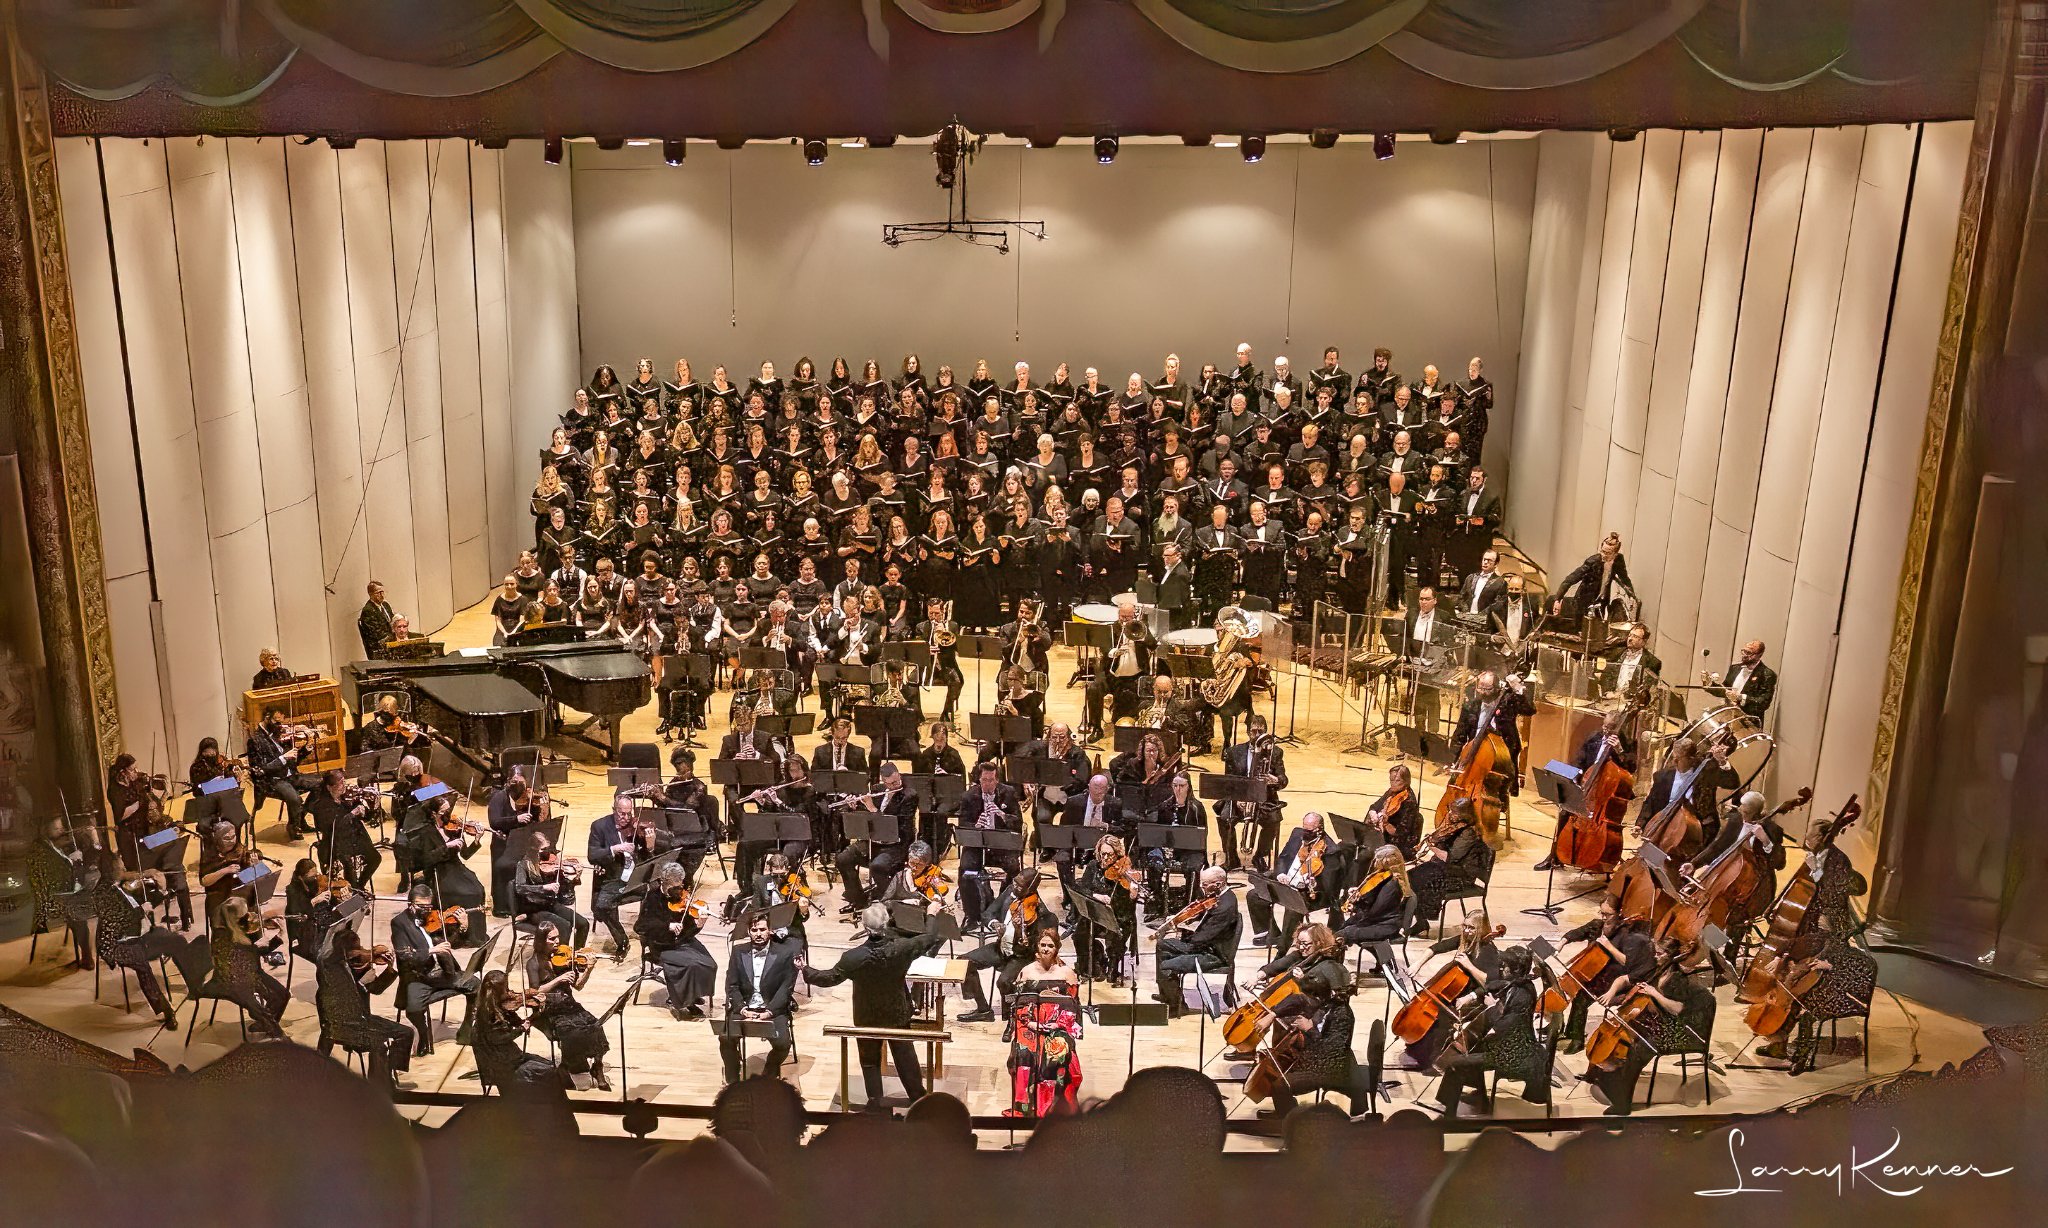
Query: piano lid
x,y
480,695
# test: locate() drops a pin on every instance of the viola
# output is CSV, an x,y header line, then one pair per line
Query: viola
x,y
1790,917
1723,893
1116,868
362,959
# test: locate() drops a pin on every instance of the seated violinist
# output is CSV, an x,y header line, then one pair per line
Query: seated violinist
x,y
554,971
1024,917
427,969
1211,942
389,727
1306,865
1111,878
1370,915
670,920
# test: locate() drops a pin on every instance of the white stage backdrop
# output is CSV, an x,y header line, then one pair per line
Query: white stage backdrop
x,y
313,342
1729,352
739,256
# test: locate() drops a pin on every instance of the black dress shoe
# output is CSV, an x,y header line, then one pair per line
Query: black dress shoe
x,y
976,1016
1548,863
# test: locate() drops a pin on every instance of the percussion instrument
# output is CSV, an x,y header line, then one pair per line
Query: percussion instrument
x,y
1196,640
1752,747
1095,612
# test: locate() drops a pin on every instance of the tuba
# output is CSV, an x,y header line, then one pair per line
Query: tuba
x,y
1232,667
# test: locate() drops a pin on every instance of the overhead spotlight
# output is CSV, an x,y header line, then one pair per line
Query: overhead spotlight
x,y
1445,136
1043,140
1200,141
551,151
1254,148
882,142
492,142
1622,134
730,143
1383,145
1105,148
611,143
342,142
946,153
1323,138
672,152
814,151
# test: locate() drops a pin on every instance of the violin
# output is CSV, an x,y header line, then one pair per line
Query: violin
x,y
1191,914
680,902
452,920
932,883
362,959
453,826
1117,868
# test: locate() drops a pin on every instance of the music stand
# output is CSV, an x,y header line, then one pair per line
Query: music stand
x,y
1026,770
367,765
1132,1015
885,726
1000,731
632,777
1558,784
696,671
256,884
522,838
991,839
774,826
162,851
851,784
1240,790
1129,739
1286,898
1142,799
775,659
1351,833
915,654
643,873
874,826
936,793
743,775
618,1010
788,728
980,648
1421,747
1059,837
734,1027
1276,645
1096,918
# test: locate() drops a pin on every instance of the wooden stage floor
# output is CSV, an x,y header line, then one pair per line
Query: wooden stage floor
x,y
677,1062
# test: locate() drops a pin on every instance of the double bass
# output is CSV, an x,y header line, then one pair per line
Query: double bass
x,y
1677,831
1723,893
1485,754
1591,841
1790,917
1783,979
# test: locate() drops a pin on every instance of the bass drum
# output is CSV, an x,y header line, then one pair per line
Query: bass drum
x,y
1728,723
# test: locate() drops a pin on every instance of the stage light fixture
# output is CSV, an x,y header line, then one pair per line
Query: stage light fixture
x,y
946,153
551,151
1621,134
342,142
1201,141
1254,148
1383,145
611,144
814,151
887,141
1105,148
1043,140
492,142
1444,136
672,152
1323,138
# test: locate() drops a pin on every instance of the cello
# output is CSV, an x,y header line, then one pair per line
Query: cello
x,y
1789,916
1244,1027
1723,892
1786,977
1484,754
1436,997
1591,841
1578,971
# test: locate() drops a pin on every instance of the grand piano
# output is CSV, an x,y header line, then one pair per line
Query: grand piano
x,y
486,699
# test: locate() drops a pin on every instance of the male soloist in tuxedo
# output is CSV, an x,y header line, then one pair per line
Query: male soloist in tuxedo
x,y
760,985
